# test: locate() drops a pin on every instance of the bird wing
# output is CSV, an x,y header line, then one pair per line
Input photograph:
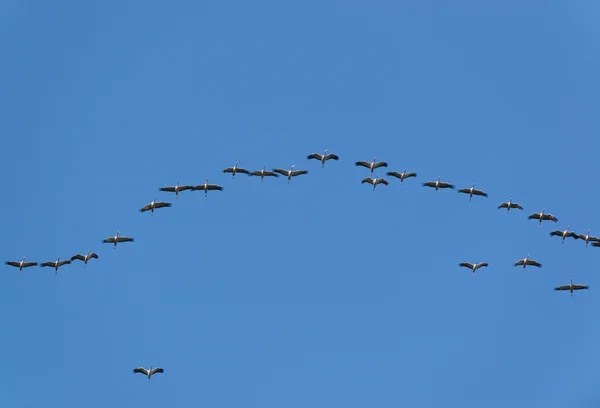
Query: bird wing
x,y
503,205
572,235
549,217
592,239
411,174
556,233
146,208
380,164
446,185
281,171
314,156
596,244
482,265
162,204
519,262
429,184
367,180
480,193
565,287
270,173
228,170
465,190
256,173
332,156
78,256
534,263
157,370
28,264
393,174
140,370
169,189
93,255
185,187
109,240
466,265
13,263
124,239
363,163
65,262
535,216
241,170
580,287
382,181
299,172
214,187
513,205
47,264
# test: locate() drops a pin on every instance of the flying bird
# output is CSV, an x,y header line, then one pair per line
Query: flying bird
x,y
372,165
175,189
438,184
236,169
572,287
542,217
323,158
402,176
526,261
22,264
472,191
290,173
56,264
588,238
85,258
564,234
264,173
116,239
154,205
207,187
509,204
375,181
148,373
474,266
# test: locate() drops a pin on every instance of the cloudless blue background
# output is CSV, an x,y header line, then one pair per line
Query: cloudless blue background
x,y
320,293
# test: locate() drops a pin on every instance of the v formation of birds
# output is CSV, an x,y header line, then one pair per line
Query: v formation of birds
x,y
291,173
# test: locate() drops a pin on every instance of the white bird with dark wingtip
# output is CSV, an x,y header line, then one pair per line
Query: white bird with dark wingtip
x,y
264,173
542,217
375,181
207,187
526,261
372,165
154,205
572,287
588,238
290,173
56,264
473,267
21,264
116,239
148,373
85,258
235,169
564,234
175,189
323,158
509,204
438,184
402,176
472,191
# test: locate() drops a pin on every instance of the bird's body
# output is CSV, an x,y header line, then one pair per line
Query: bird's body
x,y
323,158
527,261
22,264
290,173
473,267
207,187
564,234
572,287
375,181
509,204
154,205
542,216
472,191
371,165
175,189
588,238
85,258
264,173
116,239
148,372
235,169
438,184
56,264
402,176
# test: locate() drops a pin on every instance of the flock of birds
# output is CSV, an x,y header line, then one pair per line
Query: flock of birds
x,y
291,173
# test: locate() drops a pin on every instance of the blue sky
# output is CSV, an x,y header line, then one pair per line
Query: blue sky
x,y
322,292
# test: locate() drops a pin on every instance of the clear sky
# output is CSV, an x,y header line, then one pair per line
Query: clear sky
x,y
321,292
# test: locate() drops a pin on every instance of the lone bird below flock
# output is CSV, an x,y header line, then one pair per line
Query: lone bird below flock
x,y
472,191
438,184
290,173
264,173
323,158
588,238
56,264
375,181
154,205
372,165
116,239
474,266
564,234
148,373
571,287
207,187
526,261
402,176
236,169
542,217
175,189
509,204
86,258
21,264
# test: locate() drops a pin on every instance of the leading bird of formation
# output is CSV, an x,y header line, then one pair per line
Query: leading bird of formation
x,y
289,174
